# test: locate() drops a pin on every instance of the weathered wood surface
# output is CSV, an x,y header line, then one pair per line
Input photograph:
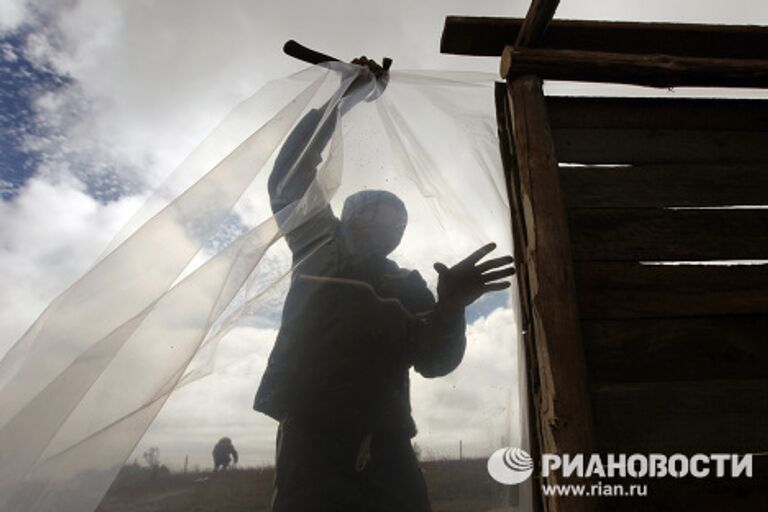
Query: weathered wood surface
x,y
531,390
698,494
665,185
489,36
688,417
605,146
721,416
512,178
675,349
632,234
531,386
540,14
563,407
613,290
635,69
658,113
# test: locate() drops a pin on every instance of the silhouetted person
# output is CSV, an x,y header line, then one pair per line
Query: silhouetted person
x,y
353,324
223,454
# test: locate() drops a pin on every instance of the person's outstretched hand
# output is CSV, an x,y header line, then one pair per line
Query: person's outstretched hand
x,y
465,282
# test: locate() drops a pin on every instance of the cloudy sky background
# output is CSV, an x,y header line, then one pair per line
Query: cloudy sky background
x,y
101,99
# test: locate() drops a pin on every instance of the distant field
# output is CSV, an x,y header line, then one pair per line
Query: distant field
x,y
455,486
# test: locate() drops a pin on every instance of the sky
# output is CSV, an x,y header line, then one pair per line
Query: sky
x,y
101,99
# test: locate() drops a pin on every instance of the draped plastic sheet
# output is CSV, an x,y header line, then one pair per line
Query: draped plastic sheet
x,y
81,387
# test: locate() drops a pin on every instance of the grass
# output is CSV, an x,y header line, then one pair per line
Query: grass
x,y
455,486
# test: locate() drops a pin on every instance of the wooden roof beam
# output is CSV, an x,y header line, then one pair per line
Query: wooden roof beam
x,y
489,36
649,70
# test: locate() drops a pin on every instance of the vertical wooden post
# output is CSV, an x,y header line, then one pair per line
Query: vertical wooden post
x,y
512,177
563,407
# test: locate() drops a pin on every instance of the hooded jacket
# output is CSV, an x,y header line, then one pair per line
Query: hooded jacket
x,y
351,327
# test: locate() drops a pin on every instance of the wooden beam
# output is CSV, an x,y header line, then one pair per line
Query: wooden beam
x,y
689,493
710,493
653,234
532,384
636,69
564,409
721,416
653,349
658,113
489,36
654,186
540,14
613,290
605,146
512,176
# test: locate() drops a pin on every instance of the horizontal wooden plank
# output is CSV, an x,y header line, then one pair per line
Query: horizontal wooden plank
x,y
488,36
635,69
658,113
697,494
721,416
631,234
672,349
615,290
665,185
604,146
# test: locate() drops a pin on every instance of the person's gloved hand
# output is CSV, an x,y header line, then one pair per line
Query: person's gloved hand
x,y
371,64
363,87
465,282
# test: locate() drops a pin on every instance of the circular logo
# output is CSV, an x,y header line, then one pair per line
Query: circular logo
x,y
510,466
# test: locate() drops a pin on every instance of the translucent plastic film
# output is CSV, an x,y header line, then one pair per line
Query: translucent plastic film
x,y
305,227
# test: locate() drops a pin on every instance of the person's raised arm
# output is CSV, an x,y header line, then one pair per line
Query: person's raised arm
x,y
297,162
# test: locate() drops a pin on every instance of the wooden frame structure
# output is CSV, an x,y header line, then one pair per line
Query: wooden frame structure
x,y
638,337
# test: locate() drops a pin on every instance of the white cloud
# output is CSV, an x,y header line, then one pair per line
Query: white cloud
x,y
49,236
12,13
746,12
157,77
218,405
474,403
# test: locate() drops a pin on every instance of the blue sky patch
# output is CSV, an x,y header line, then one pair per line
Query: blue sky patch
x,y
21,83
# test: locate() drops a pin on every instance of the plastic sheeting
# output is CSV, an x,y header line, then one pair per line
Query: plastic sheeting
x,y
84,383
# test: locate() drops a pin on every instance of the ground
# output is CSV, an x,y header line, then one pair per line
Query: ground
x,y
455,486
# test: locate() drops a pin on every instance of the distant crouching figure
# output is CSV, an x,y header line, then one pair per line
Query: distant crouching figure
x,y
223,454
